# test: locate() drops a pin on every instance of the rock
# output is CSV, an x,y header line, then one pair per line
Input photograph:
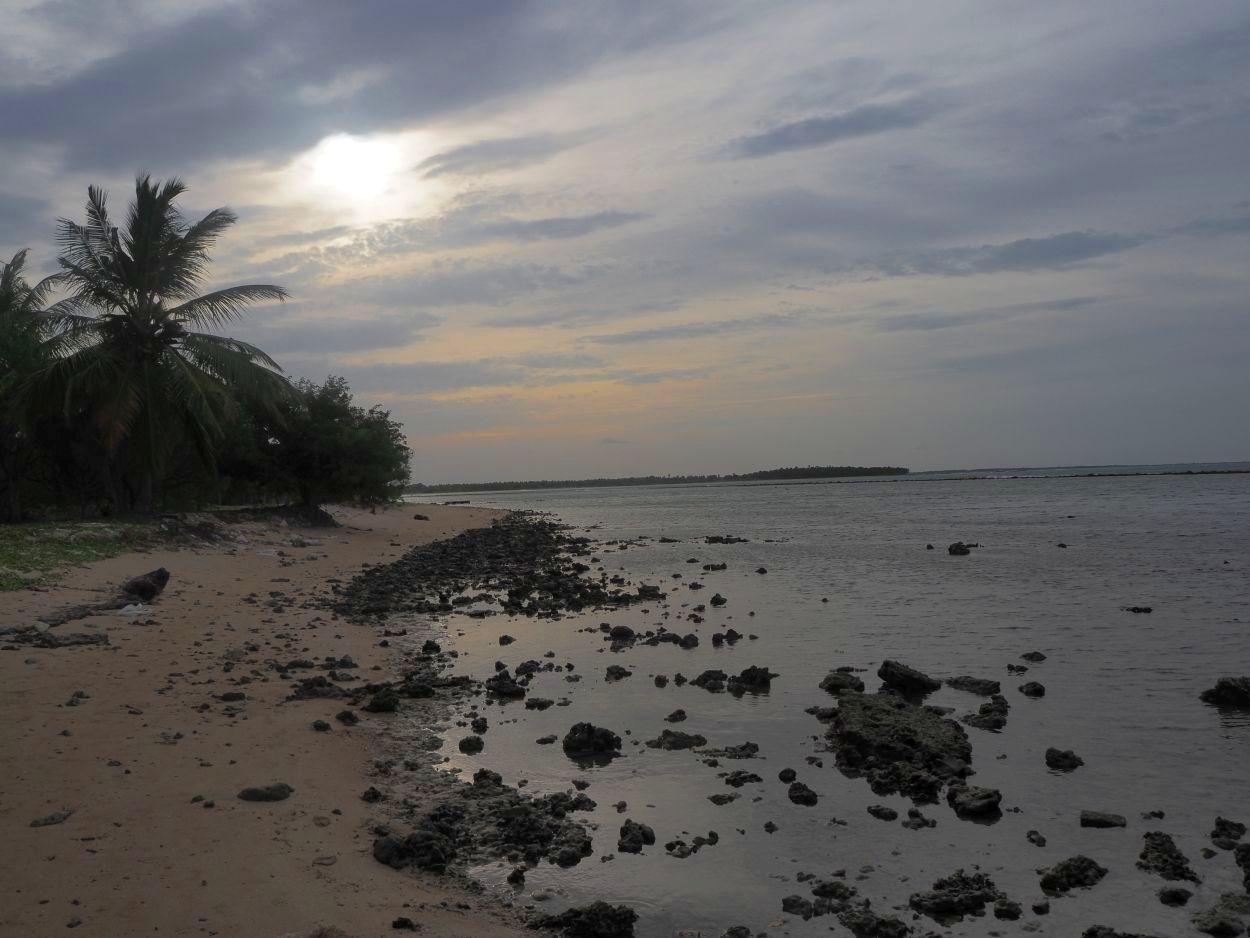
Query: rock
x,y
1033,689
1225,918
712,679
864,923
384,701
688,641
674,739
146,587
1102,819
1241,856
404,923
279,791
1077,871
506,639
970,801
677,716
1041,908
974,685
1229,692
1175,895
634,836
841,682
472,745
916,821
992,714
615,672
597,920
347,717
787,775
1034,656
321,726
802,795
661,680
501,684
882,813
959,549
621,633
1160,855
420,517
897,746
539,703
547,740
51,820
425,849
1063,760
718,600
1226,833
586,739
1036,839
797,905
905,679
740,777
1008,910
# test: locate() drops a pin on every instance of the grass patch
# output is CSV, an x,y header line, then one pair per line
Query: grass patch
x,y
38,554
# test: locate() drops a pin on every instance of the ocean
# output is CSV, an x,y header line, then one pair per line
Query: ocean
x,y
850,582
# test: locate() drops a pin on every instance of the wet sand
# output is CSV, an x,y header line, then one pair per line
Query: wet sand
x,y
139,854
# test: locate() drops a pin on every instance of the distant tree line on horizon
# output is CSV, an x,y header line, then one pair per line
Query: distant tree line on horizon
x,y
789,473
119,397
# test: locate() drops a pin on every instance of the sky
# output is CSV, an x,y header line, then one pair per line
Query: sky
x,y
575,238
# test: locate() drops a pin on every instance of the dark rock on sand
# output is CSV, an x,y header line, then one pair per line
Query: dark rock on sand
x,y
51,820
677,716
1077,871
1102,819
615,672
1229,692
802,795
955,896
712,679
472,745
426,849
971,801
384,701
1226,833
882,813
959,549
797,905
751,679
864,923
897,746
1063,760
841,682
586,739
740,777
906,679
674,739
279,791
1007,909
1033,689
1034,656
974,685
1036,839
347,717
634,836
1226,918
147,586
1160,855
321,726
1175,895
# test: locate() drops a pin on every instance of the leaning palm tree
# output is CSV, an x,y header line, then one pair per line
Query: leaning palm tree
x,y
23,329
131,348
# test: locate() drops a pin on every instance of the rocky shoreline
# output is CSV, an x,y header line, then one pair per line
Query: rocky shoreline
x,y
527,567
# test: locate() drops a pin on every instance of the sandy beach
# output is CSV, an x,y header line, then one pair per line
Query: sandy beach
x,y
134,739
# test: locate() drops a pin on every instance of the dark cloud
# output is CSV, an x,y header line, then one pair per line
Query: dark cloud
x,y
329,336
1227,225
488,156
271,79
23,220
697,330
926,322
1055,252
821,131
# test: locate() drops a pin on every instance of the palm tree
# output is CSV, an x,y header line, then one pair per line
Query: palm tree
x,y
131,349
23,329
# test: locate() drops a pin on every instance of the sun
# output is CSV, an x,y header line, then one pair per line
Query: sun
x,y
356,168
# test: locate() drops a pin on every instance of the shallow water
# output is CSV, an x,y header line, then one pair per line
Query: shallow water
x,y
1122,689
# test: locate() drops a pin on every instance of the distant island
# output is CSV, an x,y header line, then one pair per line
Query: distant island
x,y
793,472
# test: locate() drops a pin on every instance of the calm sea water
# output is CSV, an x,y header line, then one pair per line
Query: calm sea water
x,y
1122,689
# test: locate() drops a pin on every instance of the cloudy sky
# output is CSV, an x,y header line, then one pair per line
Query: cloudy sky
x,y
567,238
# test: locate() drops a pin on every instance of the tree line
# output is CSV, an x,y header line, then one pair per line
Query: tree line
x,y
793,472
118,394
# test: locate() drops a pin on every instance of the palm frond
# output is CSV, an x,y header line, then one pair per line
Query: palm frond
x,y
223,306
